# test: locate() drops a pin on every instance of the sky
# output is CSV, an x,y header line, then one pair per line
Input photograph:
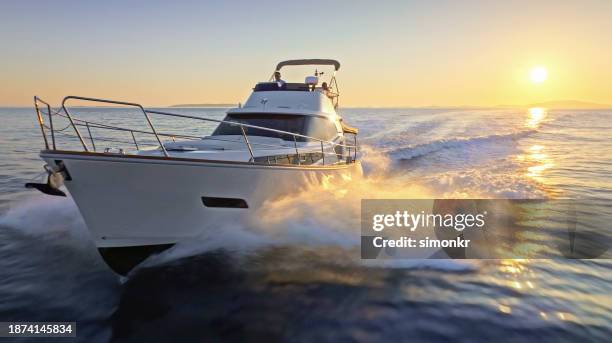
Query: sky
x,y
393,53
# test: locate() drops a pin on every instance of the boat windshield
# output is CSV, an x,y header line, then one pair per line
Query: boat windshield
x,y
318,127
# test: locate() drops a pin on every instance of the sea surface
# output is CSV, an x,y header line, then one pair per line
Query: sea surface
x,y
293,273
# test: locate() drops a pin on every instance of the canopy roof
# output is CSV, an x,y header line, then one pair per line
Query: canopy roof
x,y
315,61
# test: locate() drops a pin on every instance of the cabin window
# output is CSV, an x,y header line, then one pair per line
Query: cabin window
x,y
317,127
322,128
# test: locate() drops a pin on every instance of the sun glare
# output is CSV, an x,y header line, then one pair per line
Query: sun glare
x,y
535,117
538,74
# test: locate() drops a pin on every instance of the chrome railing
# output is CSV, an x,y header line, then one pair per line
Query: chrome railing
x,y
347,154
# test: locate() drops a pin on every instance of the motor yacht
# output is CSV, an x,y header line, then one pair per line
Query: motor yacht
x,y
137,200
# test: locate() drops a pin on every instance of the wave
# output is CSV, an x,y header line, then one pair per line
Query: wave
x,y
415,151
42,214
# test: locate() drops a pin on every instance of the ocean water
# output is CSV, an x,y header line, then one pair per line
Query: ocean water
x,y
292,272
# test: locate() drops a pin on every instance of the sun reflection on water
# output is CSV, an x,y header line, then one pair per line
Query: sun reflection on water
x,y
536,158
535,117
520,277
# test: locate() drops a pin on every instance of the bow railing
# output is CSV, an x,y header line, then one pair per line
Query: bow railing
x,y
314,151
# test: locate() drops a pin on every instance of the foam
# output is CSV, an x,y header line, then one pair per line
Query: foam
x,y
420,150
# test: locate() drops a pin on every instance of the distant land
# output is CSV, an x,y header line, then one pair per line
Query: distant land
x,y
205,105
555,104
570,105
566,105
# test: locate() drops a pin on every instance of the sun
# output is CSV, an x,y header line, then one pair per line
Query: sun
x,y
538,74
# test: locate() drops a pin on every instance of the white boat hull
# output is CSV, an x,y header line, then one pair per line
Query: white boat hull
x,y
129,201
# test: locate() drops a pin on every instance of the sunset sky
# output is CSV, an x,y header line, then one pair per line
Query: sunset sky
x,y
395,53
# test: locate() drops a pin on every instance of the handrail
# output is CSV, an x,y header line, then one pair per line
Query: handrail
x,y
194,117
310,149
41,123
246,140
115,103
117,128
110,127
40,120
74,122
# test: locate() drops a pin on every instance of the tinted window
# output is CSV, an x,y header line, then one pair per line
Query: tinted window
x,y
318,127
273,86
322,128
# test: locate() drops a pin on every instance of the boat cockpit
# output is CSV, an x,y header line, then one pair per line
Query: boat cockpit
x,y
311,83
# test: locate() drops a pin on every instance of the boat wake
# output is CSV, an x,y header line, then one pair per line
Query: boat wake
x,y
465,144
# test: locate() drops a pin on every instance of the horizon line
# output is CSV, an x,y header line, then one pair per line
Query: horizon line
x,y
527,106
